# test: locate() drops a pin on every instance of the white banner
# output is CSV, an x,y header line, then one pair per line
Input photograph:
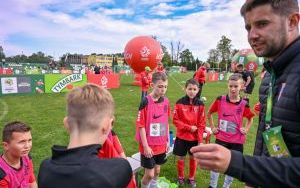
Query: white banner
x,y
9,85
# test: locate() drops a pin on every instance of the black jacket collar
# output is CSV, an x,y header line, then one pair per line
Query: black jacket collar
x,y
61,153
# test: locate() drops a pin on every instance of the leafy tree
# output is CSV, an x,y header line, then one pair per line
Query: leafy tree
x,y
176,49
17,59
220,57
2,55
39,57
187,59
213,58
224,48
166,60
197,63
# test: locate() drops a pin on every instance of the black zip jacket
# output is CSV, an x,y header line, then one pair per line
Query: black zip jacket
x,y
266,171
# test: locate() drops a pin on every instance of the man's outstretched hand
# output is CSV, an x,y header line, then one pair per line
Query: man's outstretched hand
x,y
212,157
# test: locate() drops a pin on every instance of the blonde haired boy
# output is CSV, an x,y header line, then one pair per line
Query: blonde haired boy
x,y
90,110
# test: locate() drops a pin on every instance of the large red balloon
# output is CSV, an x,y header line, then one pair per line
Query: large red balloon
x,y
142,51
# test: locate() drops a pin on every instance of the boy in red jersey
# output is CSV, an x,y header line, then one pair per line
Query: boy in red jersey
x,y
152,129
16,169
112,148
200,77
189,120
145,81
230,132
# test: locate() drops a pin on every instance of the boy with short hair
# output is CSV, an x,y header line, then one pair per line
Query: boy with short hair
x,y
16,168
90,110
152,129
189,120
145,81
200,77
230,132
248,78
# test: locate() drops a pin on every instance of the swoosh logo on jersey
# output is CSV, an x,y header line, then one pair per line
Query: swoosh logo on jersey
x,y
227,115
156,117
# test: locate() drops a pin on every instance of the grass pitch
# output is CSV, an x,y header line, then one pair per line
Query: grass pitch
x,y
45,113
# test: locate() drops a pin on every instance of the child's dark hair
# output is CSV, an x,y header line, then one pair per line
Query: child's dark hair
x,y
235,77
159,76
240,65
191,81
10,128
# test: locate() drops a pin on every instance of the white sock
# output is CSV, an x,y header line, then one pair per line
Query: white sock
x,y
144,186
153,183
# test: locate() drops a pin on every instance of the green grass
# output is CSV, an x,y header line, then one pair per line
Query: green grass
x,y
45,113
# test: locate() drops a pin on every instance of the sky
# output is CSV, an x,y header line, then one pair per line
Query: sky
x,y
56,27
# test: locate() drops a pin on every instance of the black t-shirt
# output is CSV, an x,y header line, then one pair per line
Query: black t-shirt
x,y
245,75
97,70
81,167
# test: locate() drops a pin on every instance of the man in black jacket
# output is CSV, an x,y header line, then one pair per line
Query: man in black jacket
x,y
273,32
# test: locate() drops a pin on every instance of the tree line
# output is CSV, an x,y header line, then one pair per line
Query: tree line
x,y
176,55
219,57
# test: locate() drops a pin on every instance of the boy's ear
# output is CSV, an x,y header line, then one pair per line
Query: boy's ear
x,y
105,129
151,85
66,125
5,146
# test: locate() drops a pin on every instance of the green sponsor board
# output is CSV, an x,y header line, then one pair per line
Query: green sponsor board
x,y
56,83
21,84
38,83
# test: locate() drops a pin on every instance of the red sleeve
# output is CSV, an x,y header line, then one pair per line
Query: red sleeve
x,y
107,150
117,144
177,120
201,123
256,107
202,76
214,107
4,183
141,119
144,78
248,113
31,171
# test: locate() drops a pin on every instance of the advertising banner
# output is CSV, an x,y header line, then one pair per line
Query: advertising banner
x,y
221,76
56,83
105,80
213,76
6,71
22,84
9,85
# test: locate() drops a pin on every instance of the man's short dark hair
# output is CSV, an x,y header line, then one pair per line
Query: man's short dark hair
x,y
240,65
192,82
280,7
10,128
